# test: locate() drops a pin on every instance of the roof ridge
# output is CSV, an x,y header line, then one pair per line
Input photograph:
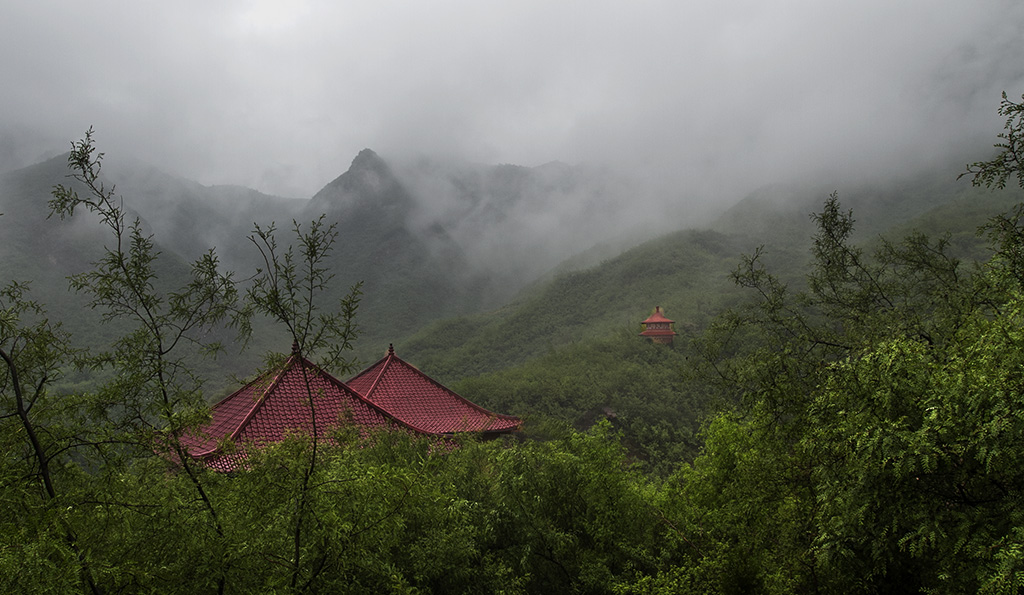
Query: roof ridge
x,y
257,403
453,393
240,416
278,378
211,451
384,362
263,396
387,414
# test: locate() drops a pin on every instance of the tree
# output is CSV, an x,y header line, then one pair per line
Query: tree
x,y
1009,162
287,291
151,399
875,445
1006,230
36,442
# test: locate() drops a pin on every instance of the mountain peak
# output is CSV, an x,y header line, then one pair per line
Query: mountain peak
x,y
368,181
368,159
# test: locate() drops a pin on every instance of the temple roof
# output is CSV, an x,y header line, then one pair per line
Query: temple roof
x,y
657,320
275,404
422,403
390,394
657,317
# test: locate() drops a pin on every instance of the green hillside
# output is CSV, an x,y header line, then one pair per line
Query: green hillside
x,y
686,273
841,410
568,348
408,279
419,291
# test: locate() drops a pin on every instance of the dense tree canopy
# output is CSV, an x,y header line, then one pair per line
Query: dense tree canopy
x,y
865,437
876,445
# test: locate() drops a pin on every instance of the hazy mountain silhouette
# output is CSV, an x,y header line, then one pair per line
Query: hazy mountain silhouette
x,y
432,240
418,261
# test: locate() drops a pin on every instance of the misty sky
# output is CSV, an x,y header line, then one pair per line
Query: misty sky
x,y
711,96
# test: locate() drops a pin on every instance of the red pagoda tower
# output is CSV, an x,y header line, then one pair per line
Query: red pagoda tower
x,y
657,328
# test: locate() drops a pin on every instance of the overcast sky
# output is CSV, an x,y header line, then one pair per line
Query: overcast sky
x,y
281,95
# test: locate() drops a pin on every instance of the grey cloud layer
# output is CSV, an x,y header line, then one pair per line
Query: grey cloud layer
x,y
281,96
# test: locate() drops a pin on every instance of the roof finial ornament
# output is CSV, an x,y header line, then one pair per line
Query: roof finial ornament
x,y
391,348
295,347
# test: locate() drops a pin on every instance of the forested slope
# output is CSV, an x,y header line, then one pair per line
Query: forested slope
x,y
687,272
862,432
684,273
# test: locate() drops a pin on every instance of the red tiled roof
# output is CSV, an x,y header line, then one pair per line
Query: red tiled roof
x,y
657,325
275,404
657,317
423,403
390,394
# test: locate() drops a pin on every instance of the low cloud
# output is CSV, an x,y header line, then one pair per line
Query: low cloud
x,y
702,101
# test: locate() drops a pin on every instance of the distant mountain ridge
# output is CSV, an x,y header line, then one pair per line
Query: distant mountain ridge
x,y
688,272
422,248
433,241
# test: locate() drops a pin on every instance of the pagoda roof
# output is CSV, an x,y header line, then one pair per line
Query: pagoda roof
x,y
424,404
657,317
276,404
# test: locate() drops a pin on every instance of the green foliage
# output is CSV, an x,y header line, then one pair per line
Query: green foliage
x,y
150,374
740,515
390,515
933,429
151,399
682,272
637,385
34,442
288,291
1010,160
288,288
869,440
874,450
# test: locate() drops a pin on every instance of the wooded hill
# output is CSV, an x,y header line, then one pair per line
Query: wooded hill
x,y
435,242
561,345
568,348
858,394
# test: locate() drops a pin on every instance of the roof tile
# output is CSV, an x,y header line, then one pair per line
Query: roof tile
x,y
278,403
402,390
391,394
